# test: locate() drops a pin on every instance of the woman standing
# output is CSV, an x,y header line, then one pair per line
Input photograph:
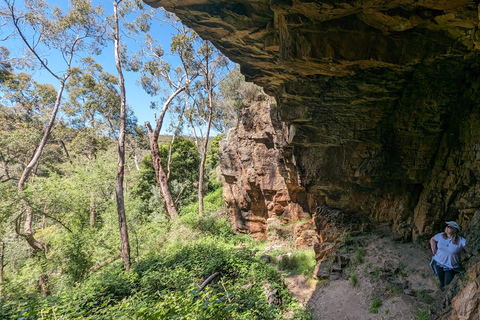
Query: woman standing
x,y
446,247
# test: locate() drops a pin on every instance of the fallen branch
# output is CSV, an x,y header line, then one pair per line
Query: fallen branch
x,y
209,279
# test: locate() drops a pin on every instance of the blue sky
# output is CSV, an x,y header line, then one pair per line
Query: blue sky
x,y
137,99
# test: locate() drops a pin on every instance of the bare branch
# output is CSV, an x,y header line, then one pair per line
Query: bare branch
x,y
15,21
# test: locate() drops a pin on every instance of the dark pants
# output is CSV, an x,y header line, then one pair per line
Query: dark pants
x,y
445,277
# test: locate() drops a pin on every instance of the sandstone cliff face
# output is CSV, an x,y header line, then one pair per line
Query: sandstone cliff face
x,y
260,178
382,97
381,100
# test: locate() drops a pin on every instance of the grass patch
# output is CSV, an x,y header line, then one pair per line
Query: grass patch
x,y
422,314
353,279
300,262
425,297
402,269
393,289
375,304
359,255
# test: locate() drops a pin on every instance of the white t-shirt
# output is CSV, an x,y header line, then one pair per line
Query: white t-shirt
x,y
448,254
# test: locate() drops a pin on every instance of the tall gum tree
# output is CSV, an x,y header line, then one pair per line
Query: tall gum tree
x,y
157,74
122,219
42,28
204,112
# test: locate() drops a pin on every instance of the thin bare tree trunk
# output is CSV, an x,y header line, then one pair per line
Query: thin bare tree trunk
x,y
122,220
43,283
135,158
202,160
43,142
2,265
6,173
44,218
66,151
27,228
209,87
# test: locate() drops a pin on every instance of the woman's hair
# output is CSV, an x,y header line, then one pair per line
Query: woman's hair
x,y
455,235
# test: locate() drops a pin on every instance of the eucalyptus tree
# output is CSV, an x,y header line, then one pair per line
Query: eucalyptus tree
x,y
156,73
94,99
46,31
122,220
192,84
205,110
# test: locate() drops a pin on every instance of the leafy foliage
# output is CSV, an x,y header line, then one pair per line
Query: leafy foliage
x,y
165,285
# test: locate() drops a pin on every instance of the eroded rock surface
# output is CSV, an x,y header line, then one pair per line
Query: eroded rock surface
x,y
381,98
260,178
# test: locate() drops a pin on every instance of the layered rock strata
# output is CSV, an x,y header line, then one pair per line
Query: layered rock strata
x,y
381,98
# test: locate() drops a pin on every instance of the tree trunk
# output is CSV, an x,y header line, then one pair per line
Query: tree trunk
x,y
2,265
122,220
44,215
162,180
209,87
6,173
43,283
43,142
202,161
135,158
27,228
66,151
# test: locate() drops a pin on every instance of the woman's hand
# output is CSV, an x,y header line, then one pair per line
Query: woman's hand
x,y
433,245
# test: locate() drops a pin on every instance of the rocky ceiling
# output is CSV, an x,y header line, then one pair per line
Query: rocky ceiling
x,y
381,98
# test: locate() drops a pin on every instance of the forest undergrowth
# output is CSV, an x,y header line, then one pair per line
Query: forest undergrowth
x,y
165,283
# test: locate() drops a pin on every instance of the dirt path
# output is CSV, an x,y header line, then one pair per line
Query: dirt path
x,y
393,280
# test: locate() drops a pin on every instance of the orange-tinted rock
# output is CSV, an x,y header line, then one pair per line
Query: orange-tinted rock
x,y
466,304
257,167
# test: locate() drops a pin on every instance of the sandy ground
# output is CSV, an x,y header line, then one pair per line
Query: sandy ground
x,y
396,274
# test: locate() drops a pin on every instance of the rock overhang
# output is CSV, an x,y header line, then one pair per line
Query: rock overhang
x,y
375,90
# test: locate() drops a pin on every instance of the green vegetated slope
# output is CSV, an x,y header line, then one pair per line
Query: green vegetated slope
x,y
165,284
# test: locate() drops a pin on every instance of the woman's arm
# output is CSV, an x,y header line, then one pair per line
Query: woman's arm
x,y
433,245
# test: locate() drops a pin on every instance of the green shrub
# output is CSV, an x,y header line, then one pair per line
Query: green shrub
x,y
393,289
359,256
165,285
424,296
375,304
353,278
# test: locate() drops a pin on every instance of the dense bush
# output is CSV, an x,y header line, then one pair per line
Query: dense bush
x,y
170,258
166,286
